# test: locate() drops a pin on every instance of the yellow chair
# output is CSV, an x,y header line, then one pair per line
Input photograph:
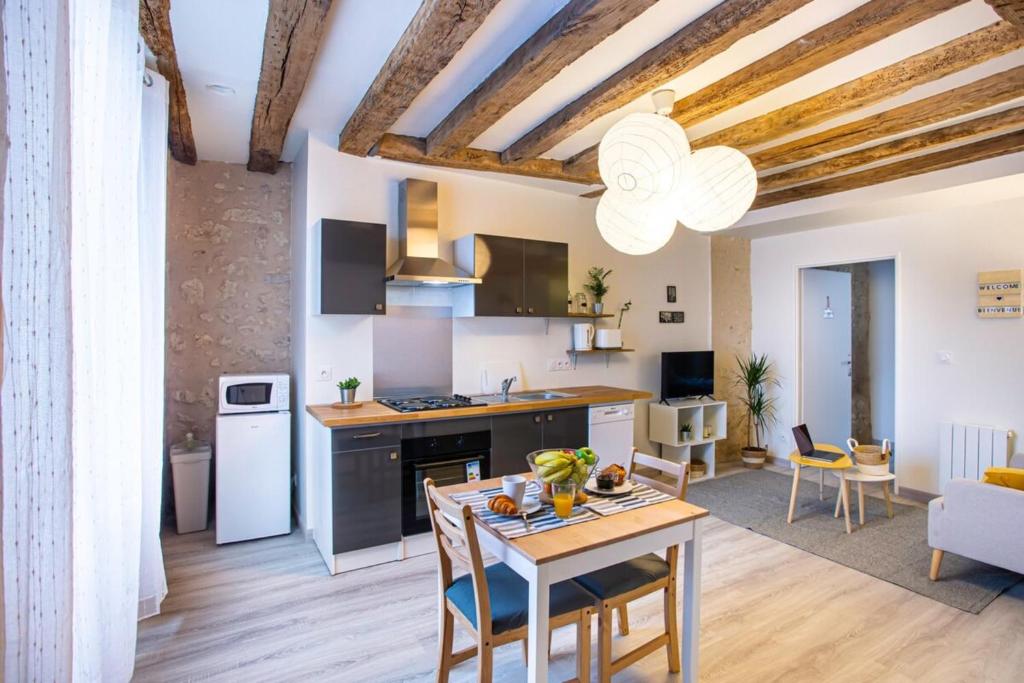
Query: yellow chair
x,y
842,464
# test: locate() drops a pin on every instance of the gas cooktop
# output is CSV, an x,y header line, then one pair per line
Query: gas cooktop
x,y
421,403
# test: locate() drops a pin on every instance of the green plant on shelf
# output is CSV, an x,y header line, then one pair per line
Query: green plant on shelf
x,y
686,430
596,282
350,383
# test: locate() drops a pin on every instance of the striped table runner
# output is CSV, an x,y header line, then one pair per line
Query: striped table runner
x,y
641,496
514,527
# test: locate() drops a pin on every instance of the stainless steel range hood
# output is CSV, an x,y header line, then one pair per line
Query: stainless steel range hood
x,y
418,262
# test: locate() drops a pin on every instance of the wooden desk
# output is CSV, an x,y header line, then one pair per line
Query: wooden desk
x,y
552,556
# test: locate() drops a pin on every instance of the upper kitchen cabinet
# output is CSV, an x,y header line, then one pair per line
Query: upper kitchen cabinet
x,y
352,260
520,277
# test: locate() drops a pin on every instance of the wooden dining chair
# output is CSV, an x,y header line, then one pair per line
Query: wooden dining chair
x,y
492,602
616,586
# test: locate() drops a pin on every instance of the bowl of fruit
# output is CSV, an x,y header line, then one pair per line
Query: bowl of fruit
x,y
557,465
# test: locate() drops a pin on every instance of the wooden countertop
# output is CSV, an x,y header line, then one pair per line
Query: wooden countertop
x,y
372,412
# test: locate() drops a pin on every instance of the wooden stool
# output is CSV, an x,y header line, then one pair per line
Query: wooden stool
x,y
838,467
861,479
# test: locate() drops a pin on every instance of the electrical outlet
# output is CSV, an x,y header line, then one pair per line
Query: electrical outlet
x,y
945,357
324,374
559,364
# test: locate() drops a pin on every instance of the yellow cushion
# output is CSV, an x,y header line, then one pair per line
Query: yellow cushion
x,y
1012,477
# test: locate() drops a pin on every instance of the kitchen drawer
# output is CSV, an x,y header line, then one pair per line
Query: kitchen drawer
x,y
370,436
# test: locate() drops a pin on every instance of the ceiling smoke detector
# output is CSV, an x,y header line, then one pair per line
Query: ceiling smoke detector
x,y
218,89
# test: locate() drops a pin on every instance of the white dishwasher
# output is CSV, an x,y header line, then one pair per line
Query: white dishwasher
x,y
611,433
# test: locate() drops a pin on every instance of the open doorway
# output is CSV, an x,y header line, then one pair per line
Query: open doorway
x,y
848,351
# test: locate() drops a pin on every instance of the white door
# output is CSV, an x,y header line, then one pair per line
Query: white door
x,y
253,457
825,349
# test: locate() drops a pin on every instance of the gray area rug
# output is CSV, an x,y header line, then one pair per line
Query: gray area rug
x,y
894,550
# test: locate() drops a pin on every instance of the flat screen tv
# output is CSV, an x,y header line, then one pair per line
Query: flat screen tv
x,y
687,373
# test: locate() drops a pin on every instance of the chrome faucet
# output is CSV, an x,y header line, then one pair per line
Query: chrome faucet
x,y
506,384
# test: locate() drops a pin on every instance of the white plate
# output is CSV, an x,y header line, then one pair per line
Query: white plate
x,y
529,506
621,490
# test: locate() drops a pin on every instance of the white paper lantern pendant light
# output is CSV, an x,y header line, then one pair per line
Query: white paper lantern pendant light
x,y
652,178
720,186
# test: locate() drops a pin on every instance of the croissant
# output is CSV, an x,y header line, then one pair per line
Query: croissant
x,y
502,504
616,470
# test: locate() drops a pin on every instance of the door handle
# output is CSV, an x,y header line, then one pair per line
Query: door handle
x,y
378,307
536,419
368,435
530,309
550,417
393,456
519,309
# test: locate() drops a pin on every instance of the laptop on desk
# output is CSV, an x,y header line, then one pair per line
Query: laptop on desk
x,y
805,445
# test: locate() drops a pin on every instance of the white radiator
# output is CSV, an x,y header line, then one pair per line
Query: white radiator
x,y
966,451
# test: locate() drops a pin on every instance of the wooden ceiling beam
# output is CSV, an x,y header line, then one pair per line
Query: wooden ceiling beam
x,y
853,31
1010,10
709,35
437,31
290,42
966,99
936,161
155,27
564,38
1000,122
969,50
414,150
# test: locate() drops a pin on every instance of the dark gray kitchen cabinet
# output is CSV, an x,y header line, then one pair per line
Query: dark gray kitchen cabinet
x,y
546,268
514,436
520,277
566,428
353,257
366,498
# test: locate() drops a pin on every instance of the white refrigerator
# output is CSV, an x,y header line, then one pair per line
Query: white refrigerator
x,y
253,472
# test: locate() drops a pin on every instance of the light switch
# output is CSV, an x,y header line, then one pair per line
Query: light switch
x,y
946,357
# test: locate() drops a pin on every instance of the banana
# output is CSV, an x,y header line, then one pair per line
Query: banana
x,y
557,475
547,457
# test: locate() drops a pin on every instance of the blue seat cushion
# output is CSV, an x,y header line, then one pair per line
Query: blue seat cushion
x,y
510,597
625,576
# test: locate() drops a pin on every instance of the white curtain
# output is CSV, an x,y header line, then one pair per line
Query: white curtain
x,y
71,413
152,257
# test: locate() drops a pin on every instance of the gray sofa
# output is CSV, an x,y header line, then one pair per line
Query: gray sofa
x,y
984,522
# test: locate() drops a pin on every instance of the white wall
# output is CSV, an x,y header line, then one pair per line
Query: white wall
x,y
882,351
938,256
343,186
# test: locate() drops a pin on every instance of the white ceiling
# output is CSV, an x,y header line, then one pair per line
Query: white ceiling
x,y
222,43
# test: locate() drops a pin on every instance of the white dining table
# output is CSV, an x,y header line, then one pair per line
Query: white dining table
x,y
545,558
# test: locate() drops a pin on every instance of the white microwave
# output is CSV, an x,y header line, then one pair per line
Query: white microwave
x,y
252,393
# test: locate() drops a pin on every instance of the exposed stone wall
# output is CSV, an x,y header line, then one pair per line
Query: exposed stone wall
x,y
730,331
228,284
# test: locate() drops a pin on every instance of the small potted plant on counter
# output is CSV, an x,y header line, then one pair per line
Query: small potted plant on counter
x,y
597,287
348,389
687,431
753,376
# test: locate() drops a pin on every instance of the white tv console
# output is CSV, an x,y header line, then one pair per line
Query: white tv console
x,y
664,428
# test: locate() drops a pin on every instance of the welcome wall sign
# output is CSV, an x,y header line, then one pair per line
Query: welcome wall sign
x,y
999,294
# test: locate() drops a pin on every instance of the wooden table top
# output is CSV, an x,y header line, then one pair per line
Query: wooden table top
x,y
372,412
547,546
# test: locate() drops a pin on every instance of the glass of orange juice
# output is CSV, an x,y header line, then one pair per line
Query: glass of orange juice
x,y
563,494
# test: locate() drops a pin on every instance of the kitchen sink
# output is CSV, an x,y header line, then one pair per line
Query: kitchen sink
x,y
539,396
524,396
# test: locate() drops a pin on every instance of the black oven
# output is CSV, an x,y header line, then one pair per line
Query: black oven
x,y
447,459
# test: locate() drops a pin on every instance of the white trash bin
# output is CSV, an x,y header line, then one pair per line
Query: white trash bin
x,y
190,465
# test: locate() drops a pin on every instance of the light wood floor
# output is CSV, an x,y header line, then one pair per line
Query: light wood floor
x,y
267,611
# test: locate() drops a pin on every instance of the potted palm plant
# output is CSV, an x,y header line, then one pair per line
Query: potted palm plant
x,y
597,287
753,376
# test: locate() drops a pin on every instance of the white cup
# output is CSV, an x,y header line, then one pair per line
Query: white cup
x,y
514,486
